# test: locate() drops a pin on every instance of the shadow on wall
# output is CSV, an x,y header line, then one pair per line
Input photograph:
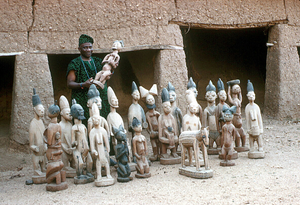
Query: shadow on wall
x,y
227,54
135,66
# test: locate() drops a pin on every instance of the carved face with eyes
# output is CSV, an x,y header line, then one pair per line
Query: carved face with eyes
x,y
167,107
172,95
222,95
236,89
136,95
150,100
251,96
39,110
96,100
210,96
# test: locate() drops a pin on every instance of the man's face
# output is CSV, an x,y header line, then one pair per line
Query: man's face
x,y
86,50
138,128
66,114
96,100
96,120
167,107
150,100
172,96
251,96
222,95
210,96
80,112
136,95
39,110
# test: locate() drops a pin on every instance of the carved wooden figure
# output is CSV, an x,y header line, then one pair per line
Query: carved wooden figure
x,y
254,125
36,142
55,175
79,141
229,133
192,87
122,154
139,148
100,149
66,130
235,98
110,61
166,132
152,119
209,119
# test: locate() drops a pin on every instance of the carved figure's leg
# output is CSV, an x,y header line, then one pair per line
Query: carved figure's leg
x,y
89,164
190,154
243,136
36,162
260,143
218,141
196,154
251,143
238,138
98,168
139,167
183,150
65,160
205,156
229,154
211,143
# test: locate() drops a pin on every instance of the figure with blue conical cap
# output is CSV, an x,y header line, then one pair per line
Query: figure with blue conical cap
x,y
209,119
235,98
36,141
55,175
135,110
192,89
254,125
79,141
220,121
167,133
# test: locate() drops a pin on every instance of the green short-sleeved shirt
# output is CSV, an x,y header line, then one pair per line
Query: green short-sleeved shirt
x,y
80,95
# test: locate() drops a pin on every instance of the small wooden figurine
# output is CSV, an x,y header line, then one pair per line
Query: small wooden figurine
x,y
192,87
228,134
55,175
209,119
36,142
66,130
139,147
100,149
254,125
166,132
122,154
110,61
79,141
152,120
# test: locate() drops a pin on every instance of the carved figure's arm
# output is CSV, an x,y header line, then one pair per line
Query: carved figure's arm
x,y
200,113
204,120
149,128
134,149
248,118
144,123
260,122
106,142
240,97
73,136
229,95
145,145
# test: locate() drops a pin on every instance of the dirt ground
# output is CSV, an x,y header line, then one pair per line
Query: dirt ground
x,y
272,180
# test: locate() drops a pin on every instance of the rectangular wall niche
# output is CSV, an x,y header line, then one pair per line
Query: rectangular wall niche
x,y
227,54
7,64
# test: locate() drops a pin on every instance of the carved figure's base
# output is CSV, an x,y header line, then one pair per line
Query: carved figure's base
x,y
70,172
235,155
104,181
170,160
132,166
213,151
256,154
83,179
227,163
39,179
154,158
241,149
57,187
146,175
124,179
186,162
192,172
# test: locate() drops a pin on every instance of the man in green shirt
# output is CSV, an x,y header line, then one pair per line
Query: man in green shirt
x,y
80,74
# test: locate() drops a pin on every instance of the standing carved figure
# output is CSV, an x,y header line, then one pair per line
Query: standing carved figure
x,y
66,130
193,87
235,98
113,118
254,125
135,110
209,119
229,132
152,119
167,133
122,154
110,61
79,141
100,149
220,121
139,147
56,177
36,142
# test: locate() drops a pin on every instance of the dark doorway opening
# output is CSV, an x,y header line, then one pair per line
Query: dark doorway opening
x,y
227,54
135,66
7,64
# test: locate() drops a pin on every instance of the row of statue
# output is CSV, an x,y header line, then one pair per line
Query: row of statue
x,y
73,150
